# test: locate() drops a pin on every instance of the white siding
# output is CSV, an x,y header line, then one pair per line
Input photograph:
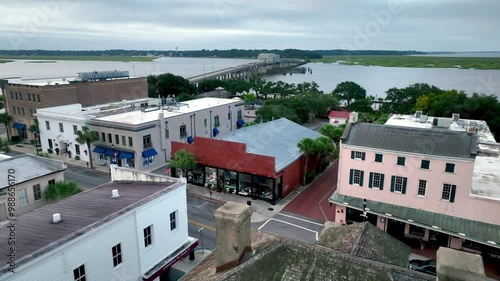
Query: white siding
x,y
157,213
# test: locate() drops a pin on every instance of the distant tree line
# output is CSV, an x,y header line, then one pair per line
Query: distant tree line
x,y
232,53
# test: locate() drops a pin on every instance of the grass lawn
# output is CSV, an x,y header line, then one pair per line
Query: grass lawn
x,y
416,61
78,58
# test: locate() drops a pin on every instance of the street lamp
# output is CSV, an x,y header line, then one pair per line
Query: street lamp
x,y
200,231
364,209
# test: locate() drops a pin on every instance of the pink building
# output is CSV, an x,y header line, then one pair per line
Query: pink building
x,y
432,179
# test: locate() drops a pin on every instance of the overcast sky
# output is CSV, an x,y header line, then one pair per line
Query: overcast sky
x,y
425,25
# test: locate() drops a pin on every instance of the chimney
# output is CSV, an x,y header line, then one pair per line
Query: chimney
x,y
114,193
56,218
234,240
353,117
454,265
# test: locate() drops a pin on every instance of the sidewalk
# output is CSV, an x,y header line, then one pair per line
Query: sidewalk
x,y
30,149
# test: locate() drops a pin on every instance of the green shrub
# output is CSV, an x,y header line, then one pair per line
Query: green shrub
x,y
43,154
15,138
61,190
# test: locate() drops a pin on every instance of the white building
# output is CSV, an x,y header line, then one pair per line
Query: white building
x,y
58,125
337,118
142,138
133,228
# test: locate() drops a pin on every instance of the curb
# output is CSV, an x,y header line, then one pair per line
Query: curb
x,y
78,166
205,198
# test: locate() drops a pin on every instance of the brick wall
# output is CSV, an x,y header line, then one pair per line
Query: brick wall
x,y
228,155
292,176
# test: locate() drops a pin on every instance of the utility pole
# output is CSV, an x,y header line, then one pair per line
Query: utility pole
x,y
200,231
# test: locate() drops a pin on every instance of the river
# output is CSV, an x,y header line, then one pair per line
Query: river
x,y
376,80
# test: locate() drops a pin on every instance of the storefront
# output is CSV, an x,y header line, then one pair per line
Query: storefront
x,y
234,182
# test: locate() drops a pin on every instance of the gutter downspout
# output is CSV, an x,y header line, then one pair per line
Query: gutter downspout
x,y
230,119
211,133
194,123
162,133
191,125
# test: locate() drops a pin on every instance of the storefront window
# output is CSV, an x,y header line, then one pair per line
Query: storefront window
x,y
197,175
265,188
101,157
128,162
230,182
210,177
245,184
415,230
148,161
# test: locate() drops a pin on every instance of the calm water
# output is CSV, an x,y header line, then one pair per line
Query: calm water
x,y
376,80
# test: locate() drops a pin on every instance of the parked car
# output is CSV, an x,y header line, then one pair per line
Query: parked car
x,y
425,266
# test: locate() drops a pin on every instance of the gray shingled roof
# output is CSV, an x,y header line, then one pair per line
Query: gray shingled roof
x,y
278,139
440,142
36,234
28,167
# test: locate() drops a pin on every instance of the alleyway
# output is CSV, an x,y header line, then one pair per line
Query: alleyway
x,y
313,202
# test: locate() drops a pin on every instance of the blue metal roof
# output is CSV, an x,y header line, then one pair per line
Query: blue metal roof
x,y
126,155
99,150
111,152
190,139
278,139
19,126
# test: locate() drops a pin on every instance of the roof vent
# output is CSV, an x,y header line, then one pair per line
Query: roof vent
x,y
455,117
418,114
56,218
114,193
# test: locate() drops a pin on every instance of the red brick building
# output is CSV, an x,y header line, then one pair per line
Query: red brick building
x,y
261,161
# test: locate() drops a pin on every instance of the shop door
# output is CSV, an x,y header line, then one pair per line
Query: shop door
x,y
396,228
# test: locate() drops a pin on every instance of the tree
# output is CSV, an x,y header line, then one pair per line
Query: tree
x,y
210,85
61,190
5,119
308,148
169,84
86,136
236,86
183,160
332,132
324,149
36,132
257,84
361,105
4,145
349,91
250,99
404,100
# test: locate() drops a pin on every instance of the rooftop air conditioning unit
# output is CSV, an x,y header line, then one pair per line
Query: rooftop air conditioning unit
x,y
472,130
423,118
455,117
418,114
444,122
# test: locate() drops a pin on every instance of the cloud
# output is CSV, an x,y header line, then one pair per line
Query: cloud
x,y
455,25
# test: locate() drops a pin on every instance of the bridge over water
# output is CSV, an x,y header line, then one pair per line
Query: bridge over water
x,y
249,69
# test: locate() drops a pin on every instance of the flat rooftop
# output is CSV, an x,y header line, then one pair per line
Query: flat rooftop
x,y
138,117
43,82
486,175
81,213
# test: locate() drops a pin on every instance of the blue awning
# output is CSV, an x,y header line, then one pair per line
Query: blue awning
x,y
99,150
19,126
190,139
216,131
111,152
148,153
126,155
240,123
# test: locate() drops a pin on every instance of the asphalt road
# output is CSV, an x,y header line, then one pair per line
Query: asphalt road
x,y
201,215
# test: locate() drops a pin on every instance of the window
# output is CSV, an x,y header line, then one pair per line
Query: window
x,y
110,139
415,230
376,181
23,198
50,143
117,139
173,220
61,127
205,122
425,164
130,143
117,254
37,192
422,185
75,129
167,133
47,125
123,140
52,181
103,137
21,96
77,149
17,97
22,111
240,115
38,97
378,158
79,273
11,95
148,236
148,161
216,122
401,161
358,155
356,177
14,110
183,131
146,141
229,116
398,184
448,192
450,168
29,97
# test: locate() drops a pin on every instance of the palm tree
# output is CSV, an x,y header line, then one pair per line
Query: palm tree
x,y
183,160
5,119
34,130
325,148
308,147
86,136
333,132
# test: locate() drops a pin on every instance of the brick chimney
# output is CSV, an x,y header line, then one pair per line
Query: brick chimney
x,y
233,224
454,265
